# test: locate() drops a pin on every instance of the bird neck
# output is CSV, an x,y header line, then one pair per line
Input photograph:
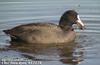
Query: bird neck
x,y
65,24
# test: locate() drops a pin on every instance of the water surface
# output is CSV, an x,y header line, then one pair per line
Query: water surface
x,y
84,51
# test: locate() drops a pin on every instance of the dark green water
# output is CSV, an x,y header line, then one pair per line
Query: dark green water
x,y
84,51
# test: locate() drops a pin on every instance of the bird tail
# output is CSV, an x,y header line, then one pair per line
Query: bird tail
x,y
6,31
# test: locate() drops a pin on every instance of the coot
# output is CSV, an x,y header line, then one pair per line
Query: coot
x,y
47,33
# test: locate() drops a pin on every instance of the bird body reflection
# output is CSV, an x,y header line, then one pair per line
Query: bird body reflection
x,y
66,53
